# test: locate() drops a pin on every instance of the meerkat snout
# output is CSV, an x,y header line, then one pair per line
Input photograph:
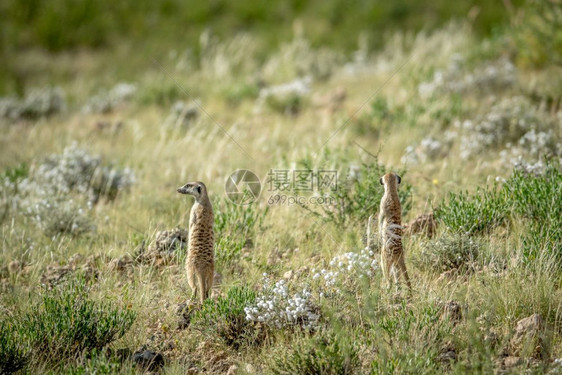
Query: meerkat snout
x,y
192,188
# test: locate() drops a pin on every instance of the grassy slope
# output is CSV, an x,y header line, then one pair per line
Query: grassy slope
x,y
392,335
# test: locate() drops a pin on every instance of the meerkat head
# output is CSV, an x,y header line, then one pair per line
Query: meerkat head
x,y
390,180
197,189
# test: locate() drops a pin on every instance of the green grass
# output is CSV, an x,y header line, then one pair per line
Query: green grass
x,y
495,251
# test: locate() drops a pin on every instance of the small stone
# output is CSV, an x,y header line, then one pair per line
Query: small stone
x,y
288,275
232,370
148,360
75,260
15,266
249,368
185,311
448,276
217,279
511,361
446,357
452,311
528,337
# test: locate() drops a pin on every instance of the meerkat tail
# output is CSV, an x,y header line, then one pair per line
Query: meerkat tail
x,y
369,224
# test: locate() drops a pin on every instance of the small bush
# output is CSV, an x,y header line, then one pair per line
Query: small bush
x,y
481,212
323,353
225,318
39,103
99,362
533,197
536,34
67,322
448,252
277,307
107,101
235,227
237,93
77,171
13,356
358,194
287,98
54,215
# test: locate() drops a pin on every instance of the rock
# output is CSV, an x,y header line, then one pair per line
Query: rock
x,y
185,311
15,266
448,353
182,114
452,311
446,357
288,275
120,264
511,361
250,368
148,360
217,279
492,339
55,273
232,370
448,276
162,250
424,224
75,260
528,337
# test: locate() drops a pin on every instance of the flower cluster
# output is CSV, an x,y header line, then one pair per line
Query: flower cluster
x,y
512,123
39,103
182,115
429,148
360,265
279,308
59,192
298,58
492,75
107,101
286,97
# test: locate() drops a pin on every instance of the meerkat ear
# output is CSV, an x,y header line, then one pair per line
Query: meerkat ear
x,y
380,180
199,189
399,179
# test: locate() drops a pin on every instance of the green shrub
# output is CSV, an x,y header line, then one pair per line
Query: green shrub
x,y
448,252
478,213
99,362
68,322
236,93
13,356
533,197
235,227
225,318
322,353
358,194
536,33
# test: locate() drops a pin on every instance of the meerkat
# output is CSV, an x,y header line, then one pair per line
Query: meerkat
x,y
390,230
200,263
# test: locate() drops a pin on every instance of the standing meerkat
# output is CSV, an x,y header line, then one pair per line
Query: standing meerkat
x,y
200,263
390,230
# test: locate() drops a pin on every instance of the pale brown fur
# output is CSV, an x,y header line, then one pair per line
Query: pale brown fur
x,y
390,231
200,263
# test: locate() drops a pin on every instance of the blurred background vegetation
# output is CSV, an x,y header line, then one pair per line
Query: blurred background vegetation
x,y
153,27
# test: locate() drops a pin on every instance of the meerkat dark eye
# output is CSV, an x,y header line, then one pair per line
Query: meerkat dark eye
x,y
399,179
199,189
380,180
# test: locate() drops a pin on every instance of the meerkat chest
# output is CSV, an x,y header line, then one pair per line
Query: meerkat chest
x,y
201,219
